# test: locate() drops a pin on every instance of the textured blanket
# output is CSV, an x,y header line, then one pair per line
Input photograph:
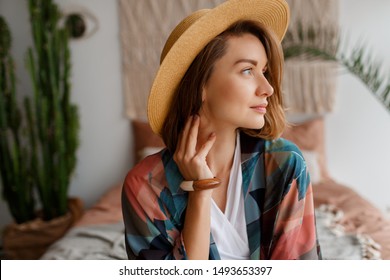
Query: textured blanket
x,y
104,242
337,244
94,242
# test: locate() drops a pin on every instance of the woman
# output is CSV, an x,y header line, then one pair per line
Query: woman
x,y
226,187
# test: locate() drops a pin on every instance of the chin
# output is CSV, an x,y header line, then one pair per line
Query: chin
x,y
254,125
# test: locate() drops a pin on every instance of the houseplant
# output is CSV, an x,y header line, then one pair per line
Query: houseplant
x,y
18,188
38,143
313,39
359,63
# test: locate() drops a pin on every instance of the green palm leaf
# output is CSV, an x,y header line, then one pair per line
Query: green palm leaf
x,y
359,62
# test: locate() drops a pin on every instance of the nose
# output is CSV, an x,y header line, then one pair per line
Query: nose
x,y
263,86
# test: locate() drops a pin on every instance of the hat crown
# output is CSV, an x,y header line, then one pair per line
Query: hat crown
x,y
180,29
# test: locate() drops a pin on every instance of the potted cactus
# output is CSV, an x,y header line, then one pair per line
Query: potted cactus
x,y
38,144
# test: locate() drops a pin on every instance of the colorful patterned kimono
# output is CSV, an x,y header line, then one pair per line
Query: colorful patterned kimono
x,y
278,200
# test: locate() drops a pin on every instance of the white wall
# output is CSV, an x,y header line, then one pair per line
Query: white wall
x,y
358,132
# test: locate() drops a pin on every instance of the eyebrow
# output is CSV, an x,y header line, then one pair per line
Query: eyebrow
x,y
254,62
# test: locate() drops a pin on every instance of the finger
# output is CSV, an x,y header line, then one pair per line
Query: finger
x,y
192,136
206,147
181,145
177,153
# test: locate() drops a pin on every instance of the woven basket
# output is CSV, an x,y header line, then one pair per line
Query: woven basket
x,y
30,240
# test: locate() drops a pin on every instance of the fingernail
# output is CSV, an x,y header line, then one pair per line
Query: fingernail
x,y
196,117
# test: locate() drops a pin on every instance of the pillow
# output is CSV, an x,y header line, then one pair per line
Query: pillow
x,y
147,151
309,137
311,159
145,141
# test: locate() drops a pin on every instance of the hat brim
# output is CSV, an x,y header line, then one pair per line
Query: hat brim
x,y
274,14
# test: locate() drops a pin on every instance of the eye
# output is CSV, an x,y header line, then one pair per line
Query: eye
x,y
247,71
80,22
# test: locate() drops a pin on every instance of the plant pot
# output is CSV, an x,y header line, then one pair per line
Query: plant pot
x,y
30,240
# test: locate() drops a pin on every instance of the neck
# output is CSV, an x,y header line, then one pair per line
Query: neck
x,y
220,158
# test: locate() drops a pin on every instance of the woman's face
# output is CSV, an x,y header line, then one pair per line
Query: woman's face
x,y
237,90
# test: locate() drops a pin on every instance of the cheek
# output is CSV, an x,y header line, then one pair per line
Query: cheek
x,y
227,103
226,92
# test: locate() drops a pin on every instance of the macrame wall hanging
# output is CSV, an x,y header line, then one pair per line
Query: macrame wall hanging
x,y
144,27
309,83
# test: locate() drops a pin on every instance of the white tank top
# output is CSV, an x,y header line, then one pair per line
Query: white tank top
x,y
229,228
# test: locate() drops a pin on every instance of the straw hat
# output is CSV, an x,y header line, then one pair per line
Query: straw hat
x,y
193,33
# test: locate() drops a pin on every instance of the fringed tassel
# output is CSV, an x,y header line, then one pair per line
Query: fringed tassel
x,y
309,85
370,250
333,219
313,22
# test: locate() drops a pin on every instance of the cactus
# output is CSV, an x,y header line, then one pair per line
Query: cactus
x,y
38,151
53,122
15,174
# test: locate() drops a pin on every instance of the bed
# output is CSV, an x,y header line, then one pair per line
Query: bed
x,y
349,227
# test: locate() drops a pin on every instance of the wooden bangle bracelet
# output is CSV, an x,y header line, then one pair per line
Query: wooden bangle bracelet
x,y
200,185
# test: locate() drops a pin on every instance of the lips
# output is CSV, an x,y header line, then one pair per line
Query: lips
x,y
261,108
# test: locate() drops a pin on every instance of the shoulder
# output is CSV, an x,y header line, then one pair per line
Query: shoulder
x,y
250,144
284,163
278,154
142,189
281,145
285,155
145,169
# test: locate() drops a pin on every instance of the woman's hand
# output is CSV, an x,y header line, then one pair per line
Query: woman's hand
x,y
192,162
190,157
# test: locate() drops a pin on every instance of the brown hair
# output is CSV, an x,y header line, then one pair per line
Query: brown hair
x,y
187,99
